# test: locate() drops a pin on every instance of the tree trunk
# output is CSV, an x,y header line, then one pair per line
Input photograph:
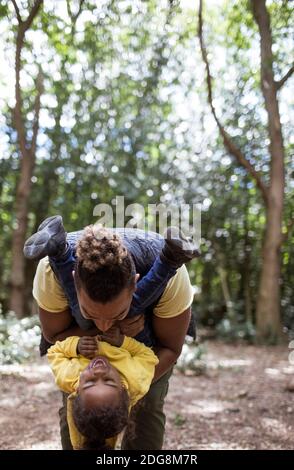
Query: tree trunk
x,y
221,269
268,301
268,317
246,268
27,151
247,296
268,321
245,288
17,283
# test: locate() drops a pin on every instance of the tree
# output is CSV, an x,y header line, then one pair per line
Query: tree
x,y
268,318
27,155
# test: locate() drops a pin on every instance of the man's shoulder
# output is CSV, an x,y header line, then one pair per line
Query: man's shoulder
x,y
44,272
47,290
177,296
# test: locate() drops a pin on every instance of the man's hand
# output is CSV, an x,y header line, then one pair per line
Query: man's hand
x,y
112,336
88,346
132,326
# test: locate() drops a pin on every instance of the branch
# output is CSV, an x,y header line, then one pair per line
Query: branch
x,y
70,14
32,14
228,142
17,11
37,106
281,82
19,122
18,118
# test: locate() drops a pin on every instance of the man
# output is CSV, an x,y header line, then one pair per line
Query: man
x,y
75,300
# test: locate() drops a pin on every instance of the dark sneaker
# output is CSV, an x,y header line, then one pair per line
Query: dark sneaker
x,y
49,240
178,249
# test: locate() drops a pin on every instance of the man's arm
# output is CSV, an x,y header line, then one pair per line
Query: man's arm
x,y
58,326
170,334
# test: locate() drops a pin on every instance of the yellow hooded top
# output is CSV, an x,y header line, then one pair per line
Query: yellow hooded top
x,y
134,361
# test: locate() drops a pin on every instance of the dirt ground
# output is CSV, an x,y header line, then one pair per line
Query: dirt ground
x,y
242,401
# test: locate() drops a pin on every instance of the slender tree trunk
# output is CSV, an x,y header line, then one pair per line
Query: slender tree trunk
x,y
27,151
18,238
246,268
268,320
226,292
268,316
223,275
245,271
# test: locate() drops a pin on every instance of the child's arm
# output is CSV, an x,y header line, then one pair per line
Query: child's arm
x,y
141,354
136,349
142,365
66,363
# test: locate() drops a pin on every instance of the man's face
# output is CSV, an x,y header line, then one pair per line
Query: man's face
x,y
105,315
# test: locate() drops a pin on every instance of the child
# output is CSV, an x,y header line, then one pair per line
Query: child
x,y
102,390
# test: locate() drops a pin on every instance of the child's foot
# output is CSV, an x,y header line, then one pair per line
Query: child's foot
x,y
49,240
178,249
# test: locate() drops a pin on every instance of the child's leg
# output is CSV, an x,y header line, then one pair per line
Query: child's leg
x,y
176,251
49,240
151,286
63,265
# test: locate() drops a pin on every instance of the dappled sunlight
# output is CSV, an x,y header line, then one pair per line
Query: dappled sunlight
x,y
224,446
273,373
205,407
289,370
275,427
10,401
29,371
228,363
45,445
39,388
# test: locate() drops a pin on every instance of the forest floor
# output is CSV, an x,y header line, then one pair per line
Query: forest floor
x,y
243,400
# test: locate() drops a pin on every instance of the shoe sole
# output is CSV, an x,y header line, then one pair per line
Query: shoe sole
x,y
41,240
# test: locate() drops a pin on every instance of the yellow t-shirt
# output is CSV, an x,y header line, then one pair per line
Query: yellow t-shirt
x,y
176,298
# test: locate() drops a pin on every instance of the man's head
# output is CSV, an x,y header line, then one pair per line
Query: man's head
x,y
105,277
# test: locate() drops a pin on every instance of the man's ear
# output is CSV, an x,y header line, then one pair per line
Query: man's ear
x,y
137,276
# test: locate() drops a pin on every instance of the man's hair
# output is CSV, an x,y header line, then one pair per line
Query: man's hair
x,y
102,422
104,267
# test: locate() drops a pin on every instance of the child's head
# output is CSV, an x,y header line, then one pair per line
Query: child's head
x,y
101,408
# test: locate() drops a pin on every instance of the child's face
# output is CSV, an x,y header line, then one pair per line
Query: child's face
x,y
100,383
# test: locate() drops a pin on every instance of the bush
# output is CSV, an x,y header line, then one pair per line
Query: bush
x,y
191,360
19,339
232,331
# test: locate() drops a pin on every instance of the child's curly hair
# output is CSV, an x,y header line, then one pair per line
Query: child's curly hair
x,y
104,267
100,423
